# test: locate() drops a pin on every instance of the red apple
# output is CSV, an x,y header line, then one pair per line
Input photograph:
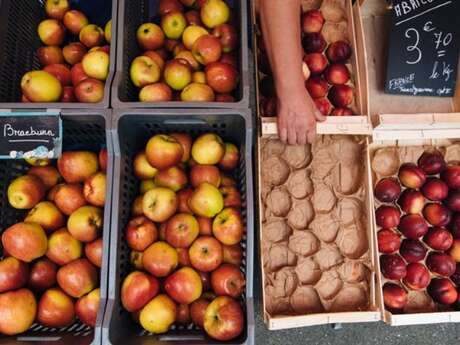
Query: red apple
x,y
323,105
438,238
221,77
387,190
316,62
50,55
90,91
206,254
442,291
140,233
204,173
453,201
411,201
451,175
224,319
413,226
313,42
432,162
341,95
61,72
181,230
435,189
317,87
394,296
338,51
392,266
312,21
78,74
343,111
417,277
387,217
228,280
184,286
437,214
388,241
441,264
337,74
412,250
228,37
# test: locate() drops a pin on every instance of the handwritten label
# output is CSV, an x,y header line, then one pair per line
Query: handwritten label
x,y
30,135
424,48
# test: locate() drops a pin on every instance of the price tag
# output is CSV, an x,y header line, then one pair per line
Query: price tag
x,y
424,48
26,135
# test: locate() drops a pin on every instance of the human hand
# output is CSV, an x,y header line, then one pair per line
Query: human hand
x,y
297,117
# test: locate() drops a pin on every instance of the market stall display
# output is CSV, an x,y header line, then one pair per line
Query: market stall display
x,y
334,68
182,54
193,265
62,54
55,236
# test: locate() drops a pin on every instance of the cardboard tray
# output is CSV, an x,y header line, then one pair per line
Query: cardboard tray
x,y
356,124
285,322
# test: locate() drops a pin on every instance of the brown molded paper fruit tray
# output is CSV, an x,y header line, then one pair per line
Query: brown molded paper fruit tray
x,y
328,244
82,130
356,124
132,129
19,42
133,13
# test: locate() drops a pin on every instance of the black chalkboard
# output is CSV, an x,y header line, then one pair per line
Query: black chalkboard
x,y
424,48
30,135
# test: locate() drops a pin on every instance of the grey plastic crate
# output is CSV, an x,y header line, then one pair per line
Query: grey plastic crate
x,y
132,129
19,42
133,13
82,130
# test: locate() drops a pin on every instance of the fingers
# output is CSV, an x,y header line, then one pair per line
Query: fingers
x,y
311,135
320,117
282,130
292,136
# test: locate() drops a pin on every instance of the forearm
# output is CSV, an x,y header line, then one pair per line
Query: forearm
x,y
280,21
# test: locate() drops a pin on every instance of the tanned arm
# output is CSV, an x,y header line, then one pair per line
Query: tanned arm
x,y
297,113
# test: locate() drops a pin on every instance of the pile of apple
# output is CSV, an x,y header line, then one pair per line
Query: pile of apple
x,y
49,272
73,72
423,206
327,77
185,237
190,56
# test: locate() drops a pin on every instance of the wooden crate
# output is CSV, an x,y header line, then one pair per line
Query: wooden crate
x,y
376,19
357,124
436,130
284,322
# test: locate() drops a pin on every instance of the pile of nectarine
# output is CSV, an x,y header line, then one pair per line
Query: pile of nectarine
x,y
189,55
324,68
185,237
419,236
75,61
50,267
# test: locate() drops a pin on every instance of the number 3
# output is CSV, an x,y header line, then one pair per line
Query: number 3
x,y
414,47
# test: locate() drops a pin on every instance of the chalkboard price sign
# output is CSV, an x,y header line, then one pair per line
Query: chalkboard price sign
x,y
424,48
27,135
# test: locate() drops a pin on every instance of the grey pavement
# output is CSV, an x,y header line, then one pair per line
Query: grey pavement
x,y
376,333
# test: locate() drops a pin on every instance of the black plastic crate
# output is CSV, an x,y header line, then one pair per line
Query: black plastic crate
x,y
132,129
19,42
82,130
133,13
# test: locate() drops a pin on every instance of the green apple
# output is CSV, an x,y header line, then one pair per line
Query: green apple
x,y
96,64
173,25
144,71
178,74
